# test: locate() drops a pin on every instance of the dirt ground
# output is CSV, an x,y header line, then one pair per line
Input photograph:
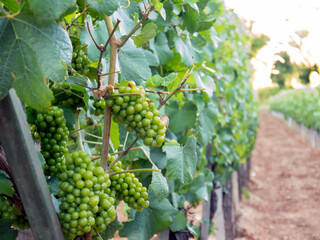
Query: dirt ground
x,y
285,186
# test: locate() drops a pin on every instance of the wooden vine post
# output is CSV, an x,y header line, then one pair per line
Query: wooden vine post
x,y
26,169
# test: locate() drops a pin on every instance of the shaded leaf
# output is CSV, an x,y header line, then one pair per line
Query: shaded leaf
x,y
47,11
32,48
148,32
5,184
159,185
179,222
133,64
181,160
160,48
156,218
6,232
106,7
181,118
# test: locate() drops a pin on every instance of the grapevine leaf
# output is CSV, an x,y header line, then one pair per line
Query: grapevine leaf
x,y
12,5
181,118
160,48
202,185
159,185
151,58
41,159
111,229
208,121
37,52
5,184
69,116
179,222
189,54
156,218
56,203
47,11
181,160
148,32
190,17
157,80
206,82
106,7
100,35
114,134
6,232
158,157
133,64
126,17
194,230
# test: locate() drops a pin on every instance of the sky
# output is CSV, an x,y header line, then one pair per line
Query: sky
x,y
280,19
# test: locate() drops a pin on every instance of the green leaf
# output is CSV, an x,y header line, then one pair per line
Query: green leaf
x,y
47,11
12,5
157,80
111,229
159,7
6,232
202,185
151,58
37,52
41,159
133,64
156,218
181,160
114,134
179,222
69,116
208,121
148,32
160,48
56,203
158,157
188,53
190,17
100,35
194,230
53,184
5,184
159,185
106,7
181,118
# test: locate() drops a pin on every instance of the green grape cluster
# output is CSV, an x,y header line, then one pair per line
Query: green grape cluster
x,y
52,129
138,113
99,107
85,196
80,61
12,212
127,187
67,97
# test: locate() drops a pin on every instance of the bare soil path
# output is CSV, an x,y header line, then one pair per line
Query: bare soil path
x,y
285,186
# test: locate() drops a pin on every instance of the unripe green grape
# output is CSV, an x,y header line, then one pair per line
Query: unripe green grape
x,y
52,126
85,196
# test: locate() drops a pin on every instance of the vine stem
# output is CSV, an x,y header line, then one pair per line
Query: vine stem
x,y
185,78
125,152
135,170
77,127
92,135
98,124
137,26
4,11
111,77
